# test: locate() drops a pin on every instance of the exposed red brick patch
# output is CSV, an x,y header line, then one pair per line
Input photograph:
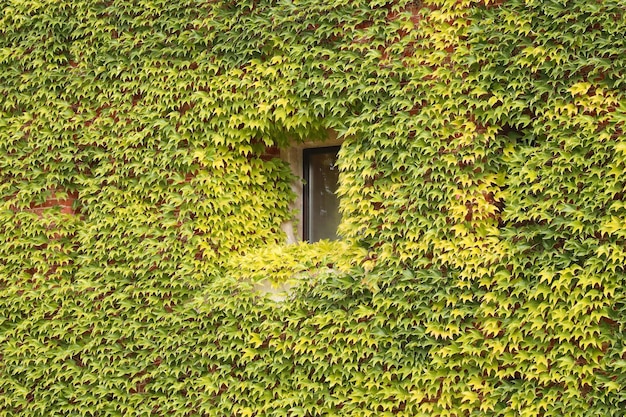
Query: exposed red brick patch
x,y
65,203
270,153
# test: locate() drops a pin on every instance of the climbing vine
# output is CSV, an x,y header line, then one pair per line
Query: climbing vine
x,y
483,174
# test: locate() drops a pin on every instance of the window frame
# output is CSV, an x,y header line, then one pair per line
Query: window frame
x,y
293,156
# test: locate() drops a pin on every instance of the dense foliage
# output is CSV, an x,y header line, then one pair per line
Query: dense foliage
x,y
483,189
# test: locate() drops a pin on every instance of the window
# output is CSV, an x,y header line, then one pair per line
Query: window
x,y
320,210
316,201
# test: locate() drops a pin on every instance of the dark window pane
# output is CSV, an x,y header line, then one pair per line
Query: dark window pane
x,y
321,210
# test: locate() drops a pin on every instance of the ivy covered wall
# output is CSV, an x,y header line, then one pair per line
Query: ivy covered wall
x,y
481,270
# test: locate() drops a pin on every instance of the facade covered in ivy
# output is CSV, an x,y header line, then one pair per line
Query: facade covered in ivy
x,y
482,191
